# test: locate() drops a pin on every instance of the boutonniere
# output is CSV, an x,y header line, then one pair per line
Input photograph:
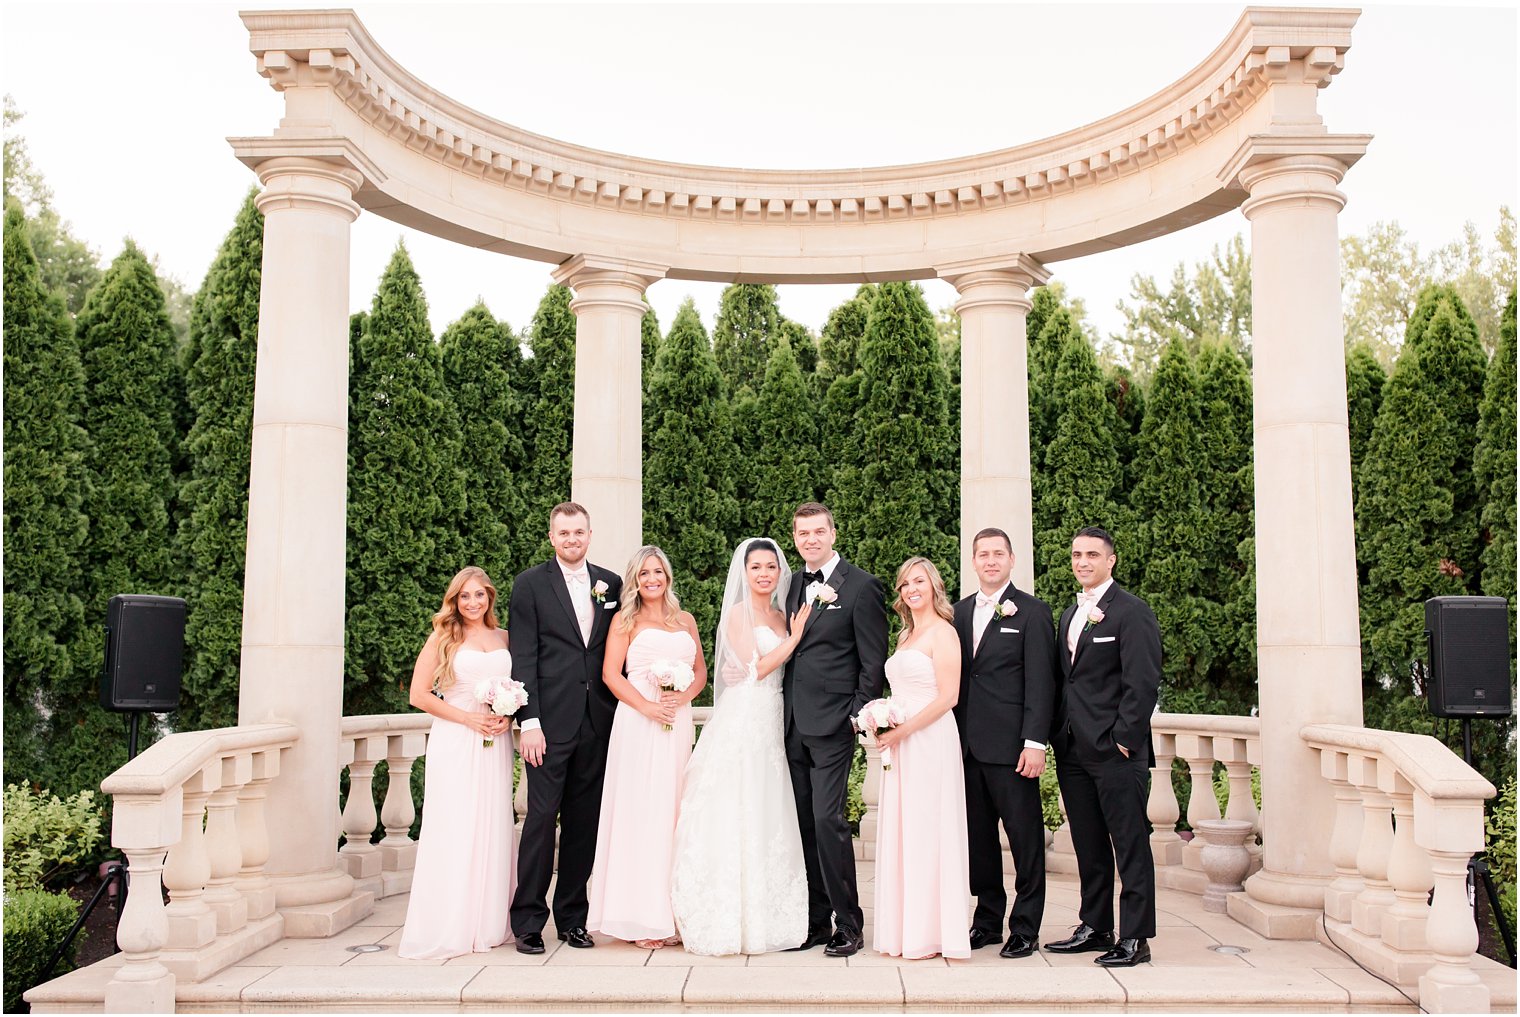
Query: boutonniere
x,y
599,591
1007,609
825,594
1094,616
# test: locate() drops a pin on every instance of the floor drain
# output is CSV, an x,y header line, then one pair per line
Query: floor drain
x,y
1225,948
366,948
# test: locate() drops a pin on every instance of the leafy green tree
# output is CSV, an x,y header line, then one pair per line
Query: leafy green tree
x,y
212,536
480,359
749,320
1081,463
649,339
1494,466
65,264
839,343
405,492
45,526
551,396
905,454
787,460
1213,302
690,509
804,346
1128,399
1365,379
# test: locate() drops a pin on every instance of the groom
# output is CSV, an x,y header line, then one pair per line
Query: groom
x,y
836,669
559,615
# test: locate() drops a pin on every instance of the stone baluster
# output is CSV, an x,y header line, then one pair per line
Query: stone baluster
x,y
1372,854
1198,752
1409,872
1345,841
1451,985
143,828
189,919
358,856
253,836
1233,753
398,852
223,844
870,797
1162,808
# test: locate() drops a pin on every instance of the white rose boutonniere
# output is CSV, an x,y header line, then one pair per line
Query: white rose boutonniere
x,y
599,591
1007,609
825,594
1094,616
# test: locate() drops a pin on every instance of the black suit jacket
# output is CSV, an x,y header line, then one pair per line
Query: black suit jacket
x,y
1109,690
1008,687
839,664
562,674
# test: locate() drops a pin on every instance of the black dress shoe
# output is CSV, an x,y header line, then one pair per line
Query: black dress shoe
x,y
817,936
577,937
981,938
1126,954
1083,939
530,942
846,943
1019,946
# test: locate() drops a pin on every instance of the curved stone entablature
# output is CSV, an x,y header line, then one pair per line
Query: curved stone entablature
x,y
438,165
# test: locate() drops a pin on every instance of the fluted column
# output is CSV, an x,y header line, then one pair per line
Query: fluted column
x,y
607,460
995,474
1309,649
292,663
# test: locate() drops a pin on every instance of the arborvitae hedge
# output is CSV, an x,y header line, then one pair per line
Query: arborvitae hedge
x,y
405,493
749,320
551,416
1494,466
787,461
212,537
839,343
1365,379
45,526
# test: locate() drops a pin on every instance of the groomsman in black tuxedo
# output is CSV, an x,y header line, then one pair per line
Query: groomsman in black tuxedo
x,y
838,667
1112,669
559,615
1008,691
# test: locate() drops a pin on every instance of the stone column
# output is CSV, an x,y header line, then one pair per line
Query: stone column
x,y
1309,647
995,476
607,458
292,663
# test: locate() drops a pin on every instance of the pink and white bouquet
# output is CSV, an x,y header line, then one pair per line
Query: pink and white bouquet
x,y
674,675
503,695
877,716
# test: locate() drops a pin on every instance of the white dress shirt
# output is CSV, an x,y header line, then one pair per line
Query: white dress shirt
x,y
1085,602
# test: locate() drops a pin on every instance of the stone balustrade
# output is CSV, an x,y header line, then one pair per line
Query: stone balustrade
x,y
1408,816
1200,741
188,814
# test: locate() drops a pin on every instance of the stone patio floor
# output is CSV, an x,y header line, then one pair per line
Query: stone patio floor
x,y
1185,974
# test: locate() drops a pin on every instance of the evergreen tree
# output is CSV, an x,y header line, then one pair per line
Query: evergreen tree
x,y
1494,464
405,493
787,459
1044,353
480,359
689,505
749,320
1128,400
1365,379
1173,532
132,390
905,461
839,345
212,537
649,336
1082,471
804,346
45,526
551,381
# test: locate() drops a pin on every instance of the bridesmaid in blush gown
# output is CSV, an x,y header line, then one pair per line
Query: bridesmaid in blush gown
x,y
465,872
641,794
922,868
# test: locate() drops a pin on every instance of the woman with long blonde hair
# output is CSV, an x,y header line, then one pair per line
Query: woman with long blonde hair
x,y
465,870
651,741
922,866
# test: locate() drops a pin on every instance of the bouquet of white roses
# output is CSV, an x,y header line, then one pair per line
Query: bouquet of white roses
x,y
503,695
674,675
877,716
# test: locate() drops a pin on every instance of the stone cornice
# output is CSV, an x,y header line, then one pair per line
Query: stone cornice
x,y
332,49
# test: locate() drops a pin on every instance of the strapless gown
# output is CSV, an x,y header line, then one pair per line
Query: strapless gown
x,y
922,872
740,885
641,795
465,875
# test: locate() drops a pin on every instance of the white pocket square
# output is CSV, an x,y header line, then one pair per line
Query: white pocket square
x,y
1104,639
1014,631
832,607
609,605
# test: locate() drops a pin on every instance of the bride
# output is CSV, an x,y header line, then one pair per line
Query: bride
x,y
739,885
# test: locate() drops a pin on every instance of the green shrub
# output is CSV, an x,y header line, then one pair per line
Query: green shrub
x,y
35,923
855,804
1501,848
1050,794
46,836
1222,786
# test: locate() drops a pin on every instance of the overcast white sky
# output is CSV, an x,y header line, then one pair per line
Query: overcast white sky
x,y
128,106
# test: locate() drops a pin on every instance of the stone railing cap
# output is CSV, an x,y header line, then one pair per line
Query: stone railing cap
x,y
170,761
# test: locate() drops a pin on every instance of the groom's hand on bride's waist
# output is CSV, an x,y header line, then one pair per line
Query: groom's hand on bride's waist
x,y
531,744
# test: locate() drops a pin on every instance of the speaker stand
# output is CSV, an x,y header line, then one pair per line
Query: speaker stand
x,y
136,715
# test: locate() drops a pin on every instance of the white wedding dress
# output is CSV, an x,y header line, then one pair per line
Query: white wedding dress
x,y
739,885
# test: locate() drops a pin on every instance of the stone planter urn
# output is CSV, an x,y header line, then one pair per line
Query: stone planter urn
x,y
1225,859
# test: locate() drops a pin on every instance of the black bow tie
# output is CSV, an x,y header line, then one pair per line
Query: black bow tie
x,y
811,577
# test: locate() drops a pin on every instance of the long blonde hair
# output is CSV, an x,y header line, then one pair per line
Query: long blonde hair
x,y
449,623
941,598
633,602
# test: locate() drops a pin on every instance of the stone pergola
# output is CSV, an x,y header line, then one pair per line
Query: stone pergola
x,y
361,134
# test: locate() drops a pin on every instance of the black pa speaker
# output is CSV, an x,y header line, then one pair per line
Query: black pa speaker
x,y
145,653
1469,656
